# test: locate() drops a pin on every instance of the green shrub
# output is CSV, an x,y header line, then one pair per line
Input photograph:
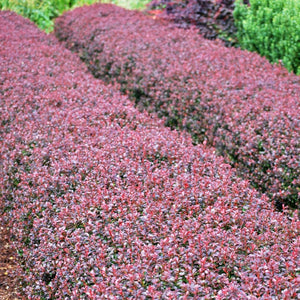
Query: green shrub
x,y
271,28
42,12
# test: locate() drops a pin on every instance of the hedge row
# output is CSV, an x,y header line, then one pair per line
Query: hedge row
x,y
237,101
104,202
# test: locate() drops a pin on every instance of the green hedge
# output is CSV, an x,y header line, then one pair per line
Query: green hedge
x,y
271,28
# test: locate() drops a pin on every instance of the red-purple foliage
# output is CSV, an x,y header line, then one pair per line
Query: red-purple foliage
x,y
104,202
213,18
236,100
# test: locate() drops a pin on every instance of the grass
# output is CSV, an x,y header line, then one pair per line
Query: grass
x,y
43,12
129,4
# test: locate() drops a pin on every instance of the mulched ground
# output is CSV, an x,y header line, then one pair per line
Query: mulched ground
x,y
9,283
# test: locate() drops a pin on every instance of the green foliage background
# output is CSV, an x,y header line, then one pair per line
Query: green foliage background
x,y
130,4
43,12
271,28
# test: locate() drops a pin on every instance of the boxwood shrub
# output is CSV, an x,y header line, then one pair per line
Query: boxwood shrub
x,y
271,28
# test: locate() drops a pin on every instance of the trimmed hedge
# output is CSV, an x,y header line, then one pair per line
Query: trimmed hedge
x,y
233,99
105,202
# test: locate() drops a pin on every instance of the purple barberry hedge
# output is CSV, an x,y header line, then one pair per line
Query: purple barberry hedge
x,y
213,18
235,100
105,202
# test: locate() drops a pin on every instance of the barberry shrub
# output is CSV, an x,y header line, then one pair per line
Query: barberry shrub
x,y
271,28
105,202
214,19
233,99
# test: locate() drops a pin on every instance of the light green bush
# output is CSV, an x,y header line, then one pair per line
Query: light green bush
x,y
42,12
271,28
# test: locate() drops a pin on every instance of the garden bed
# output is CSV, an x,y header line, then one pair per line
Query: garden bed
x,y
105,202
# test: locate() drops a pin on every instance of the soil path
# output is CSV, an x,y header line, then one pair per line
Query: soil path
x,y
9,283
